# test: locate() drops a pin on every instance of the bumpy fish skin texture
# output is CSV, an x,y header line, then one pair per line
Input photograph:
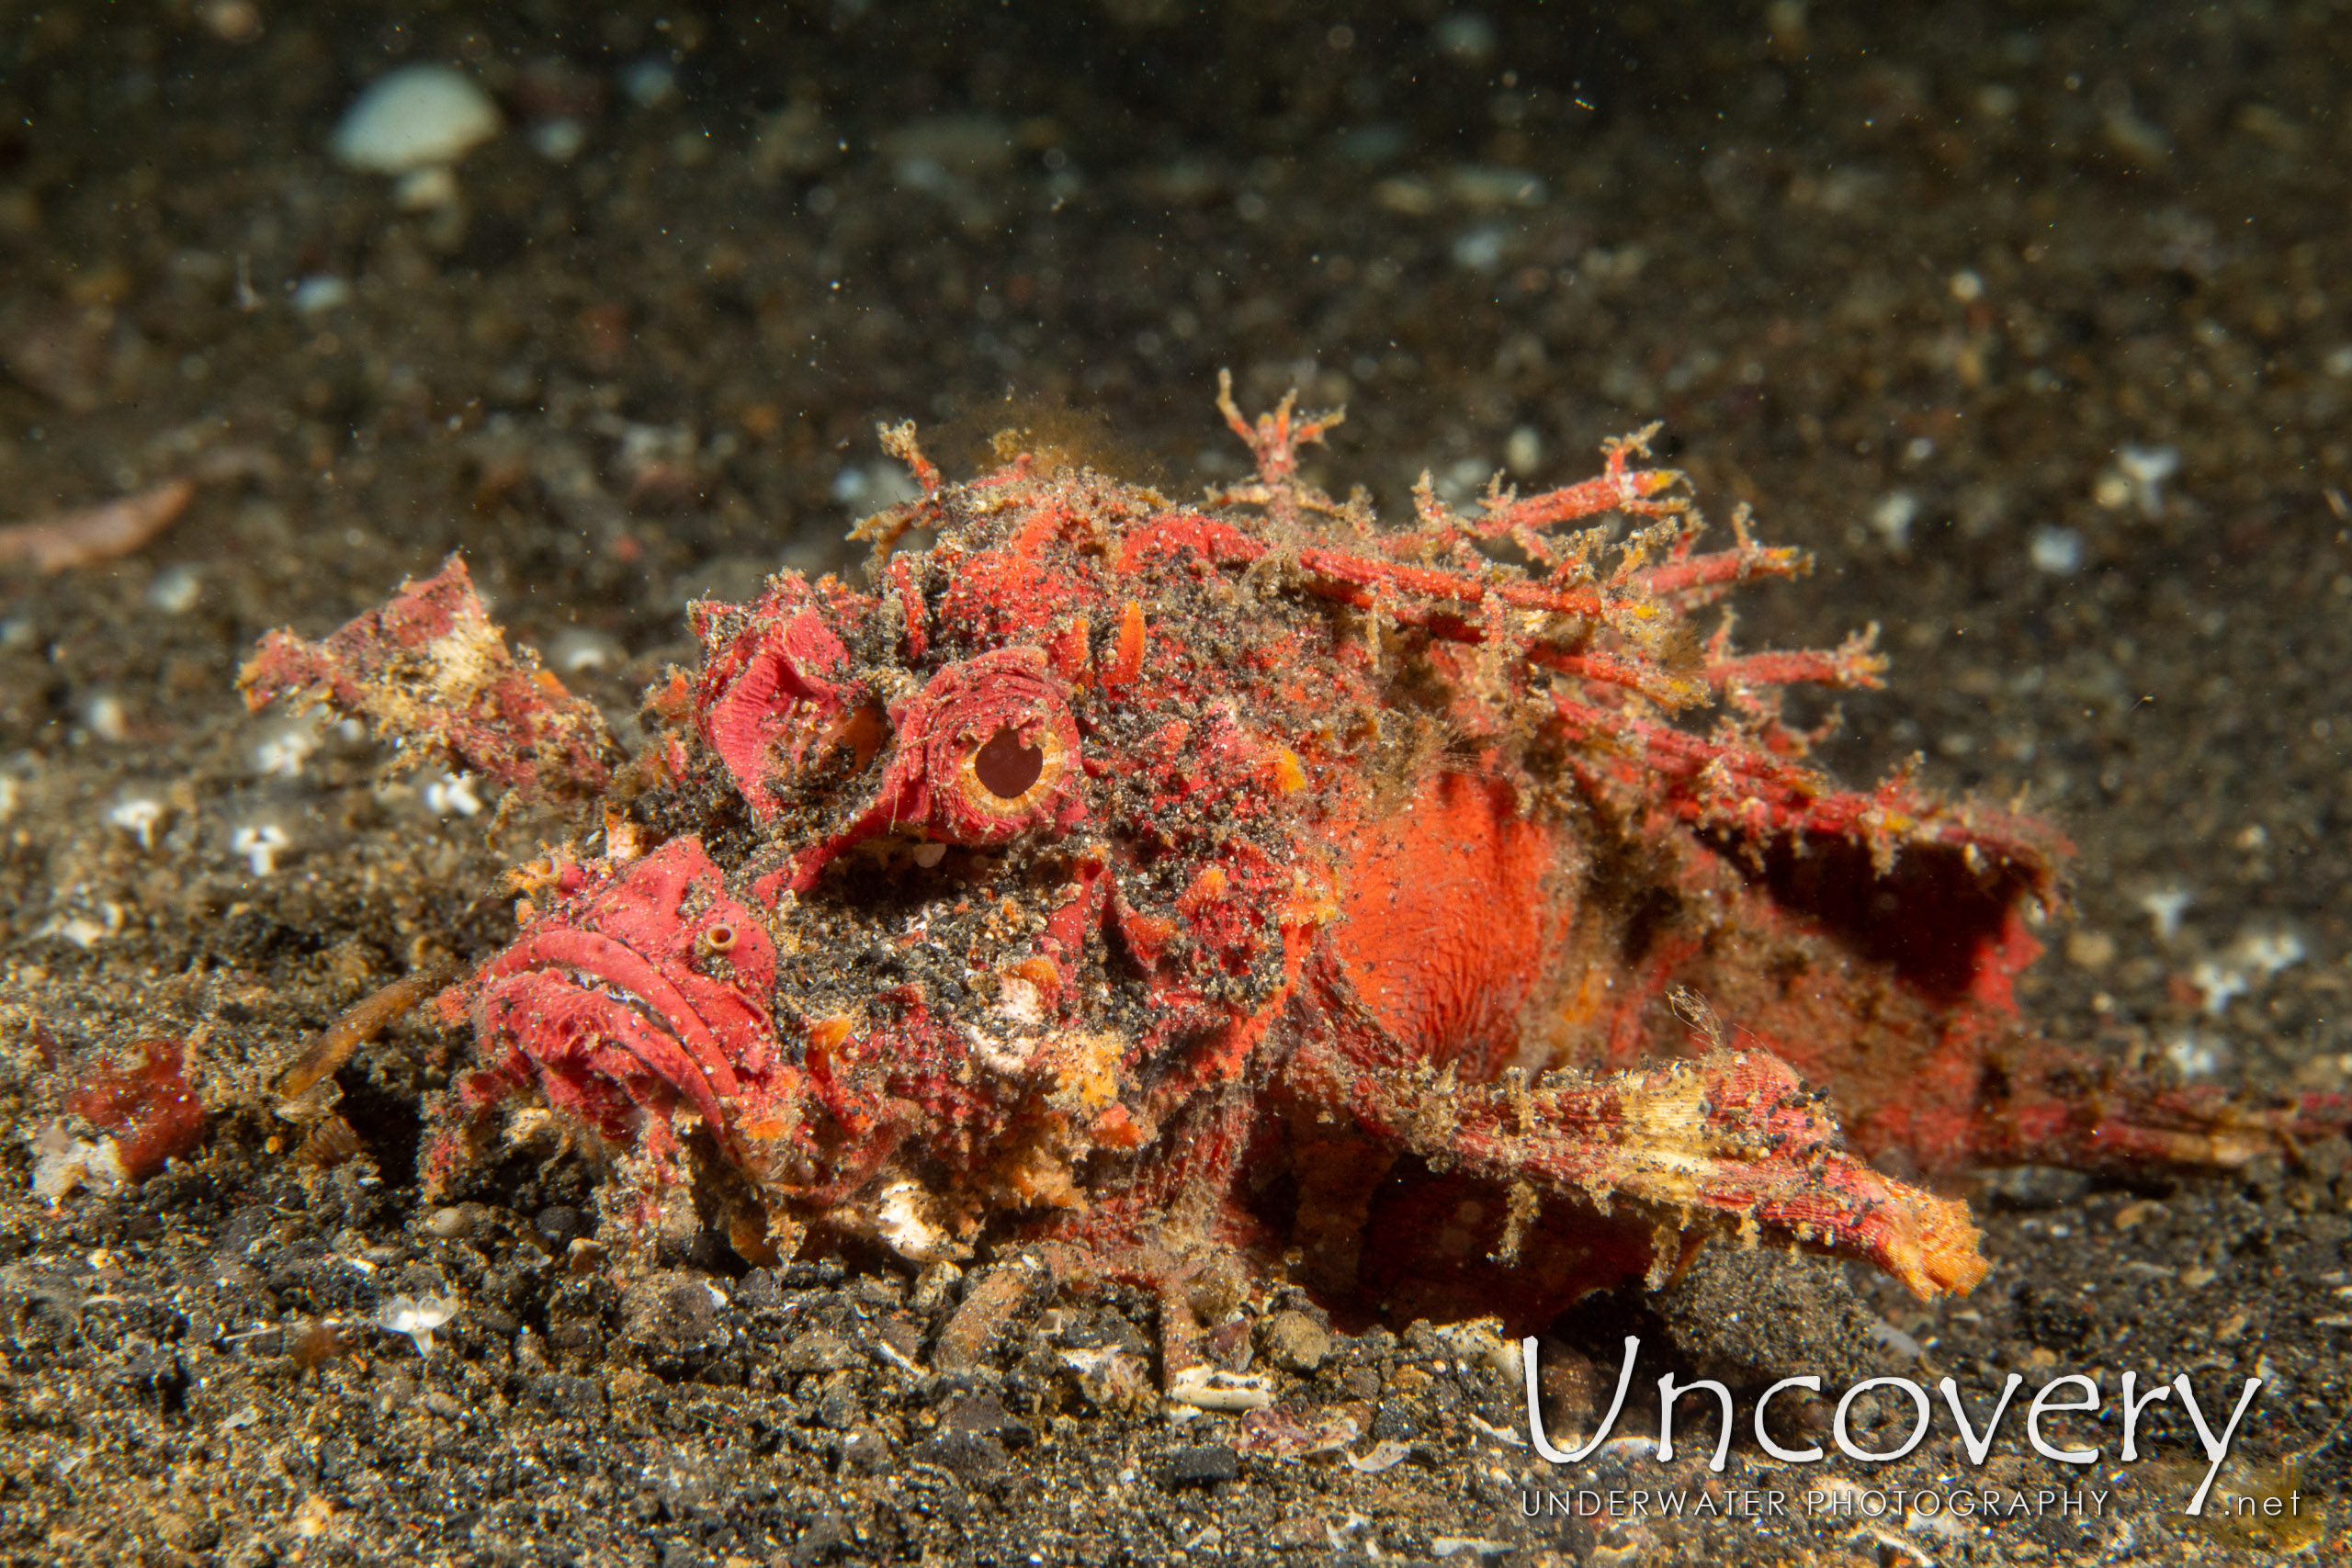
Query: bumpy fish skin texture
x,y
1164,886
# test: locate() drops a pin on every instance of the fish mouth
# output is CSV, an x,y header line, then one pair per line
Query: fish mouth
x,y
620,1000
576,997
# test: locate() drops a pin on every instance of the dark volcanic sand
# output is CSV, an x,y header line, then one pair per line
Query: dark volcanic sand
x,y
1911,288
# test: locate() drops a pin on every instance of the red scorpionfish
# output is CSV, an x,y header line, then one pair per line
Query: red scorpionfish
x,y
1169,882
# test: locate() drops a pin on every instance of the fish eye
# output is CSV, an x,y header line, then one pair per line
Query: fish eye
x,y
1006,766
998,750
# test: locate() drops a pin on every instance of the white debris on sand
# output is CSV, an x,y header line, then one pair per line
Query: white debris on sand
x,y
136,815
2194,1056
320,293
418,1317
2145,469
63,1163
281,749
2058,551
452,796
260,843
2253,960
1212,1388
2164,906
416,117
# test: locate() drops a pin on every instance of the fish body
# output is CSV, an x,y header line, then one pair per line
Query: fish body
x,y
1160,883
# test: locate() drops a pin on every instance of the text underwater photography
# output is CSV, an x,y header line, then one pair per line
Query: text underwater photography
x,y
1845,1499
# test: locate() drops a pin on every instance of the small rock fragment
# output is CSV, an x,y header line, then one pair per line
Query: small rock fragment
x,y
866,1449
1206,1466
416,117
1111,1378
987,1307
580,1398
426,190
984,1416
972,1457
675,1312
829,1538
1295,1342
819,1351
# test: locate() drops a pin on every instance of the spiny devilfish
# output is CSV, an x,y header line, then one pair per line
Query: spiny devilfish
x,y
1172,884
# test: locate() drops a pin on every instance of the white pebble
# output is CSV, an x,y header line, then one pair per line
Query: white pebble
x,y
319,294
1465,477
1892,518
1479,250
649,83
426,190
106,717
1524,451
559,140
84,933
416,117
2058,551
2195,1055
64,1162
877,487
2267,953
1884,1333
446,796
576,649
284,748
176,588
